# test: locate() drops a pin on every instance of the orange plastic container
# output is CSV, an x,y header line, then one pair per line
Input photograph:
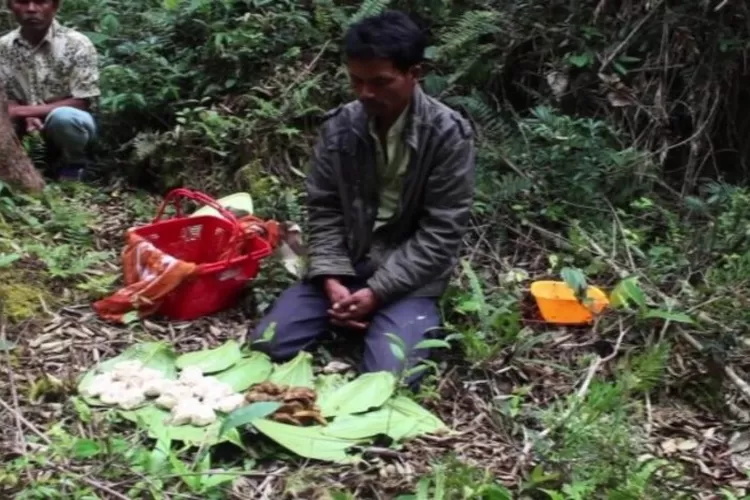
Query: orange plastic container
x,y
558,304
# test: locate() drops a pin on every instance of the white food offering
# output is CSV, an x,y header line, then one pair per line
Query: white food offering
x,y
192,398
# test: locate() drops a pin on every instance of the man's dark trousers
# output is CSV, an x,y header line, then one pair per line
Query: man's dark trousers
x,y
300,315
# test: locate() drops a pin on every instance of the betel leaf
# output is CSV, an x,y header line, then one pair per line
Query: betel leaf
x,y
155,355
399,419
297,372
248,414
212,360
307,442
250,371
154,421
368,391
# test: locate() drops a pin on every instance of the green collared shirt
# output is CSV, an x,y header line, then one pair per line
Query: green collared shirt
x,y
391,165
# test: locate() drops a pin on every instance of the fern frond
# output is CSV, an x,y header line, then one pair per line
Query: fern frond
x,y
324,15
477,293
472,25
435,85
509,187
486,116
369,8
645,370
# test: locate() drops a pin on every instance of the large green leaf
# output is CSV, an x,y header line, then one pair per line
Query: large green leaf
x,y
384,421
364,393
325,385
155,355
297,372
400,418
248,372
307,442
248,414
212,360
153,420
427,422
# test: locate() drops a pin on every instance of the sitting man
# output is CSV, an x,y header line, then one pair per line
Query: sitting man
x,y
51,76
389,198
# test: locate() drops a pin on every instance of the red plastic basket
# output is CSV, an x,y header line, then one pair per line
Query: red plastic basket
x,y
201,240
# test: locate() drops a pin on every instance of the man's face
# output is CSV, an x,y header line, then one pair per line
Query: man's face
x,y
382,89
34,15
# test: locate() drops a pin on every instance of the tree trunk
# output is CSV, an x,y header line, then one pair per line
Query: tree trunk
x,y
16,168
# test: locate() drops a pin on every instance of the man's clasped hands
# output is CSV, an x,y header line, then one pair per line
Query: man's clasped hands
x,y
349,310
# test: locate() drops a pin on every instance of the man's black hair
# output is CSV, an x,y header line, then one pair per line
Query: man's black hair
x,y
392,35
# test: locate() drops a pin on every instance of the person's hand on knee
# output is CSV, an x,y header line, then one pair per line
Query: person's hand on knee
x,y
335,291
33,124
355,310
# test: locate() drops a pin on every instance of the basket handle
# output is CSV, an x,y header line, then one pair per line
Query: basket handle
x,y
176,196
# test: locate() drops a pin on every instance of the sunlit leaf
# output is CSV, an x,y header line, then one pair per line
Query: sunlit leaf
x,y
627,292
86,448
250,371
212,360
307,442
369,390
674,316
398,347
297,372
8,259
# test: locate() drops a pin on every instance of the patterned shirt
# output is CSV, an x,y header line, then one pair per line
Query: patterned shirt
x,y
63,65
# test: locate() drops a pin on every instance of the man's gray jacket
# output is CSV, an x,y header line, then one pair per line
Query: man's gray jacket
x,y
417,250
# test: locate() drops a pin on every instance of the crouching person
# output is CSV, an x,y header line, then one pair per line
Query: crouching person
x,y
51,76
389,198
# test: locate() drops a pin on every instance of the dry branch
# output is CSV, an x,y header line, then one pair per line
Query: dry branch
x,y
732,375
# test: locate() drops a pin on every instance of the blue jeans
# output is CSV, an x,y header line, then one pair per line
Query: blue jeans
x,y
300,315
70,130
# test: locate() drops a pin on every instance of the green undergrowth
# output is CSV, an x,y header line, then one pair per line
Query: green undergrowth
x,y
21,301
48,251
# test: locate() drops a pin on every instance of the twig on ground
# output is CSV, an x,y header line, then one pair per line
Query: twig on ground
x,y
12,387
743,386
92,482
630,36
593,368
24,421
598,10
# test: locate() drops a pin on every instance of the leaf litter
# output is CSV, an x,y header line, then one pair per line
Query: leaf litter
x,y
480,436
